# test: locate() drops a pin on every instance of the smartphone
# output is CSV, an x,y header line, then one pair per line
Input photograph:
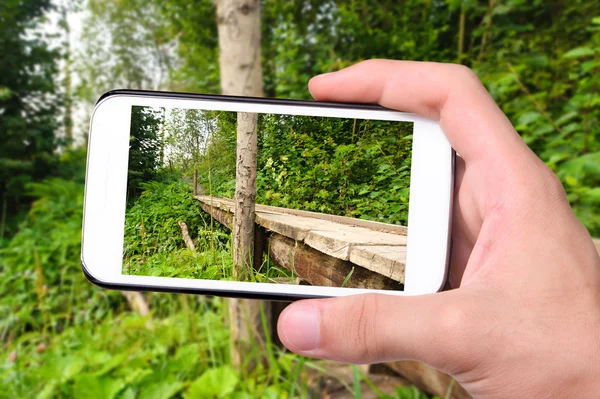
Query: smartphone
x,y
350,198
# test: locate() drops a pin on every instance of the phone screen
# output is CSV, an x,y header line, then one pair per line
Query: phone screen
x,y
332,198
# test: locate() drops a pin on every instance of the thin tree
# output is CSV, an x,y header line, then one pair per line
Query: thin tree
x,y
241,74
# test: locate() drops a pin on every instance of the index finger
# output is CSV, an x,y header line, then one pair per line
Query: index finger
x,y
452,94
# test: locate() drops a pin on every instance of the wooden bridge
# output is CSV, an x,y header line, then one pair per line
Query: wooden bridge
x,y
324,249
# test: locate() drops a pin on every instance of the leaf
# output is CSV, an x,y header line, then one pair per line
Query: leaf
x,y
528,117
592,195
241,395
111,363
62,367
409,393
188,354
542,130
92,387
571,181
566,118
48,391
213,383
579,52
585,164
161,390
130,393
501,9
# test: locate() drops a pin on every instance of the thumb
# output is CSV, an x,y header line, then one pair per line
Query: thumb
x,y
374,328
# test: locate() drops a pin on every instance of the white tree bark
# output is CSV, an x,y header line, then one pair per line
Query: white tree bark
x,y
239,47
241,74
245,195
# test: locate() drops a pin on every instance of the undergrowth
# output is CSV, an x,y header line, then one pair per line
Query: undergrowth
x,y
62,337
154,244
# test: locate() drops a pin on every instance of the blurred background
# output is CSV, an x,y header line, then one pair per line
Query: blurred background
x,y
63,337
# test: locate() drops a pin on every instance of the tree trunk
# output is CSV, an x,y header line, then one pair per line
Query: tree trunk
x,y
68,94
241,74
239,47
245,195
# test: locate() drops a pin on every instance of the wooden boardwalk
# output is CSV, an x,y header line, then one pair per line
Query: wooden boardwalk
x,y
324,249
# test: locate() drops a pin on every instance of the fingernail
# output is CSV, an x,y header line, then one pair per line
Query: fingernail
x,y
301,327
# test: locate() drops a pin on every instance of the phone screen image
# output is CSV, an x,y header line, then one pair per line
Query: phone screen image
x,y
332,198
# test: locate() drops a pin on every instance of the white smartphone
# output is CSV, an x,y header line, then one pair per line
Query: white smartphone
x,y
351,198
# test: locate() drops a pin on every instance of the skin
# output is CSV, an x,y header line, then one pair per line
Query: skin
x,y
523,316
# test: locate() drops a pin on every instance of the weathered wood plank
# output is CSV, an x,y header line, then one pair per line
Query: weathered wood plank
x,y
389,261
224,217
339,242
322,270
369,224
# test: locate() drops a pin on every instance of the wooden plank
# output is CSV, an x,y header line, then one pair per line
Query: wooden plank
x,y
369,224
389,261
222,216
339,242
293,226
322,270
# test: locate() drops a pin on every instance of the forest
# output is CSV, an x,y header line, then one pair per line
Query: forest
x,y
63,337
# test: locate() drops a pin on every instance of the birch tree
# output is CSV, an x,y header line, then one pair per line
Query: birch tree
x,y
238,24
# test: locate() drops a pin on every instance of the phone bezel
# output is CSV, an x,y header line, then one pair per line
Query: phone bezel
x,y
432,178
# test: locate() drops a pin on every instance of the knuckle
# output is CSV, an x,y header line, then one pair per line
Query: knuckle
x,y
455,323
452,318
465,74
460,326
547,185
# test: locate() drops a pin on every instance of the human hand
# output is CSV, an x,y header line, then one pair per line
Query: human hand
x,y
524,319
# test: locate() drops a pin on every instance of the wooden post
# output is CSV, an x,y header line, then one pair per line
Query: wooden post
x,y
238,24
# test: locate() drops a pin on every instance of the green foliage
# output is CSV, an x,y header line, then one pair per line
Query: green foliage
x,y
542,67
153,240
195,25
151,224
146,148
216,170
42,287
135,50
357,168
130,356
305,38
63,337
28,106
214,383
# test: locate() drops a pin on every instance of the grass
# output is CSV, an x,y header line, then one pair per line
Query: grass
x,y
62,337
